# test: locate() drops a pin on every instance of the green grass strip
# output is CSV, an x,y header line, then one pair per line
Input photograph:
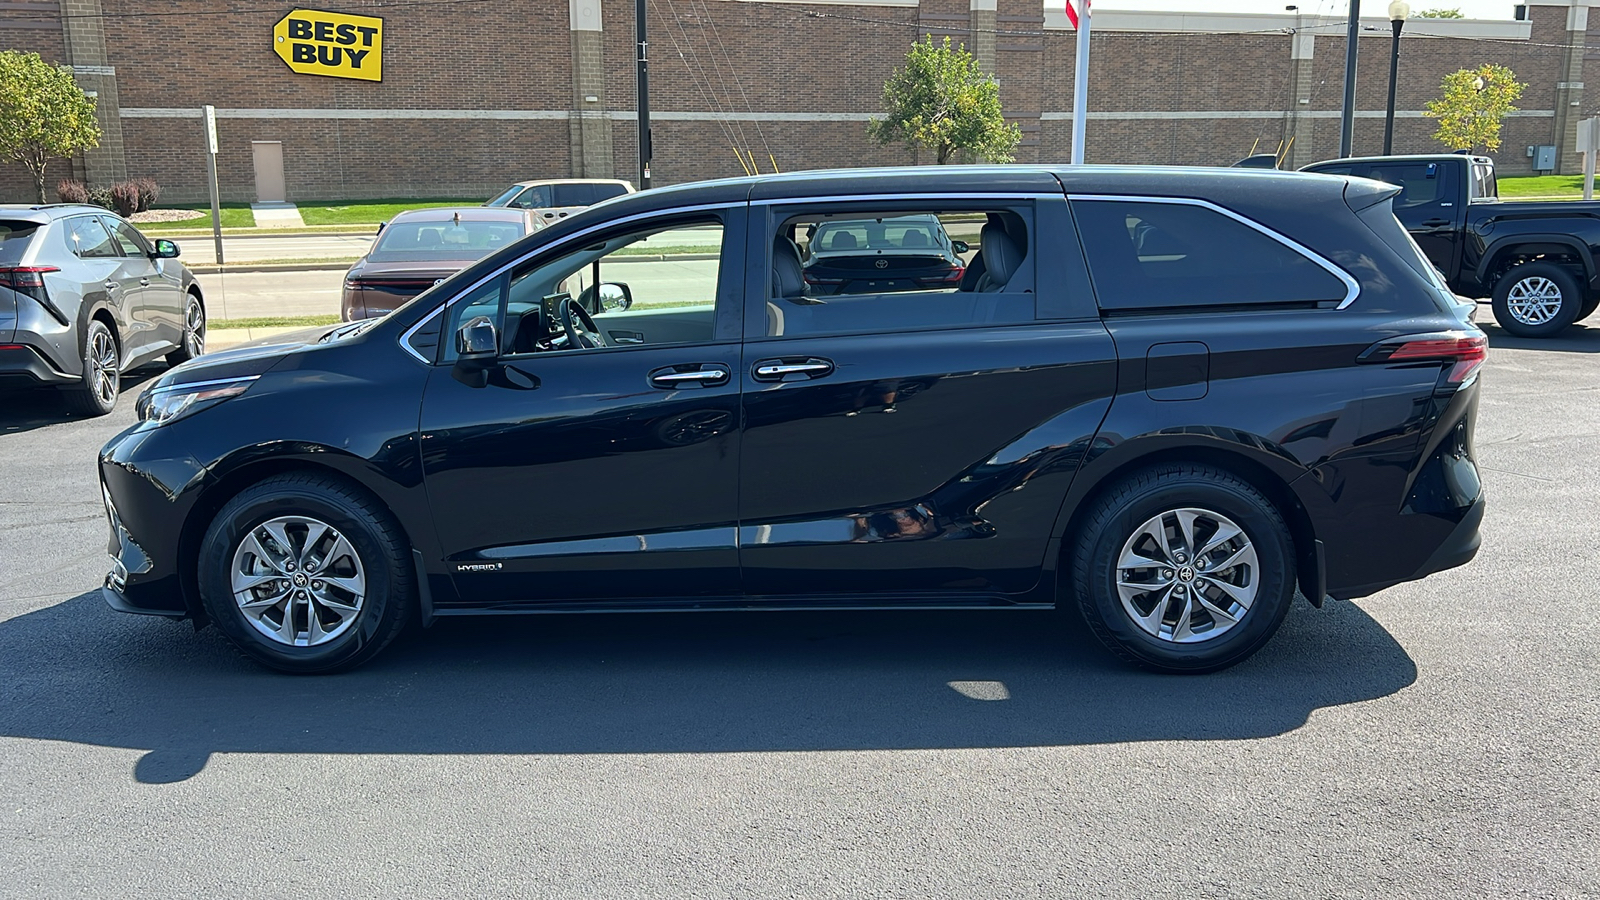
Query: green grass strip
x,y
272,322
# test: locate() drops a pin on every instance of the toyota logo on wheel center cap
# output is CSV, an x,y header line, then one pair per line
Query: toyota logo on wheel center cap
x,y
1186,573
300,579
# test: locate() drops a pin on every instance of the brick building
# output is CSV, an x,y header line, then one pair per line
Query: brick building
x,y
478,93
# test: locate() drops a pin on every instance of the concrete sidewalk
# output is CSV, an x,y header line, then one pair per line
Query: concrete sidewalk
x,y
277,215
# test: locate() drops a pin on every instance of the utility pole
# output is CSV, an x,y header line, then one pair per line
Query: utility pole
x,y
644,94
1348,122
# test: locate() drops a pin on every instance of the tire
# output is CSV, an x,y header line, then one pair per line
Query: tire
x,y
193,341
1537,300
1212,502
334,623
96,393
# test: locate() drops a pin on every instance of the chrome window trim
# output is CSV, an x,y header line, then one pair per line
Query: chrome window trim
x,y
1352,287
405,336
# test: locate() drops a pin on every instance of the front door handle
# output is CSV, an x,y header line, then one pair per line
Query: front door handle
x,y
792,369
691,375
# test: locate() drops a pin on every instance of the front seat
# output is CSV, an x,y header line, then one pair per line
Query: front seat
x,y
788,281
1001,256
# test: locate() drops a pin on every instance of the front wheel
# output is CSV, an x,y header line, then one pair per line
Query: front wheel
x,y
1537,300
193,341
1184,568
306,575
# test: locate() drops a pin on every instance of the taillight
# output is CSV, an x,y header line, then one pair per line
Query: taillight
x,y
1466,351
945,280
27,279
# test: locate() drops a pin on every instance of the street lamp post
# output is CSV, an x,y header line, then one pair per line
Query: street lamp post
x,y
1347,118
1398,11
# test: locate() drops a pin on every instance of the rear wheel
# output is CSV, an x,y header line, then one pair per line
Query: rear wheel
x,y
306,575
1184,568
1537,300
193,342
96,393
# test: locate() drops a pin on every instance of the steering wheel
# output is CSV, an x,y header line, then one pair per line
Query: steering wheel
x,y
581,331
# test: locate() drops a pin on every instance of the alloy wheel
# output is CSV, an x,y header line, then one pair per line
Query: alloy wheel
x,y
1187,575
298,581
194,328
1534,300
104,369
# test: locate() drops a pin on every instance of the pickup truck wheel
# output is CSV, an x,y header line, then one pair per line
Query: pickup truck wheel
x,y
1537,300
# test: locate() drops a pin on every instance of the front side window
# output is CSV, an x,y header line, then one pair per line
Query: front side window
x,y
863,272
536,197
89,238
1157,255
131,242
648,286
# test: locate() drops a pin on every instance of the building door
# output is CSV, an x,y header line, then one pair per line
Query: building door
x,y
269,171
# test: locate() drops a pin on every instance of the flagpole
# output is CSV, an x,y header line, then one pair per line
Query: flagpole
x,y
1080,83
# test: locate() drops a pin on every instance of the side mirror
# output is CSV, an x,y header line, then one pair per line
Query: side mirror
x,y
166,249
615,296
477,347
960,246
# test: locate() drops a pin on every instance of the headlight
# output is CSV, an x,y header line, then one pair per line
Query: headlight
x,y
164,404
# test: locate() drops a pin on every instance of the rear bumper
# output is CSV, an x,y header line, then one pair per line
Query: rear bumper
x,y
22,363
1458,549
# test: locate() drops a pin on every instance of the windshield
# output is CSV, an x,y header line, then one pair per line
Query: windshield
x,y
14,238
458,241
505,196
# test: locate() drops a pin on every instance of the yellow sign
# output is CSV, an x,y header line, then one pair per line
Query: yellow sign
x,y
333,44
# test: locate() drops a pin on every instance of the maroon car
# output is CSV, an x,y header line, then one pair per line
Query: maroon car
x,y
422,247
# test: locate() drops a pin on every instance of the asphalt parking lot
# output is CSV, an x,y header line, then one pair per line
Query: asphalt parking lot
x,y
1435,740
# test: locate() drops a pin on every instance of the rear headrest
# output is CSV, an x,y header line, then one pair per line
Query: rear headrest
x,y
843,240
1001,256
788,275
914,238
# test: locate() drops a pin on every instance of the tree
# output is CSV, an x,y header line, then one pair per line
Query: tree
x,y
1440,13
1471,105
942,101
43,114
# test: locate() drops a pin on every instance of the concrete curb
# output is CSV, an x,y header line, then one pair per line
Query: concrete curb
x,y
311,265
187,234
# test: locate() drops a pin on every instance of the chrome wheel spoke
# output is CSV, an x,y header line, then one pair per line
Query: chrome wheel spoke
x,y
298,581
1167,598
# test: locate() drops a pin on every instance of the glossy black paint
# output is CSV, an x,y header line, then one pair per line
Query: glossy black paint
x,y
1474,240
924,468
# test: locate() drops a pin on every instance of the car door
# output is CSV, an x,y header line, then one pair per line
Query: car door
x,y
916,446
104,273
1426,205
161,297
611,473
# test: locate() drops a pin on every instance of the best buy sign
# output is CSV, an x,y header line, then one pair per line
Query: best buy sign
x,y
333,44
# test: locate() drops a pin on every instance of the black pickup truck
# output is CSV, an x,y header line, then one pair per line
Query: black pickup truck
x,y
1535,259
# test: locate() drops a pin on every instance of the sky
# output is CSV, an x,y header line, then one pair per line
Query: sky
x,y
1472,9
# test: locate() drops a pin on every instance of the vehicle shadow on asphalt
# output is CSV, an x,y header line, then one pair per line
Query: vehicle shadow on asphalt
x,y
667,683
30,408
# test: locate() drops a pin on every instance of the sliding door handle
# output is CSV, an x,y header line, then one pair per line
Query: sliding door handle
x,y
796,369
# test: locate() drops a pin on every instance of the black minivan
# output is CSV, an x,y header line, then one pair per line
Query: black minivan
x,y
1169,397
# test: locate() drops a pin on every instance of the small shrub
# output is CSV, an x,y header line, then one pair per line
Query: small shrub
x,y
149,192
125,198
100,197
72,191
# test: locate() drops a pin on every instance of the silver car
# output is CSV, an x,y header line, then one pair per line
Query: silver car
x,y
85,297
553,199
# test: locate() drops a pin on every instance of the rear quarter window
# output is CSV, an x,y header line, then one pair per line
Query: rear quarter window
x,y
573,195
1163,255
14,238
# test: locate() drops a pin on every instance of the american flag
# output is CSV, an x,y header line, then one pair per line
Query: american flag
x,y
1072,14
